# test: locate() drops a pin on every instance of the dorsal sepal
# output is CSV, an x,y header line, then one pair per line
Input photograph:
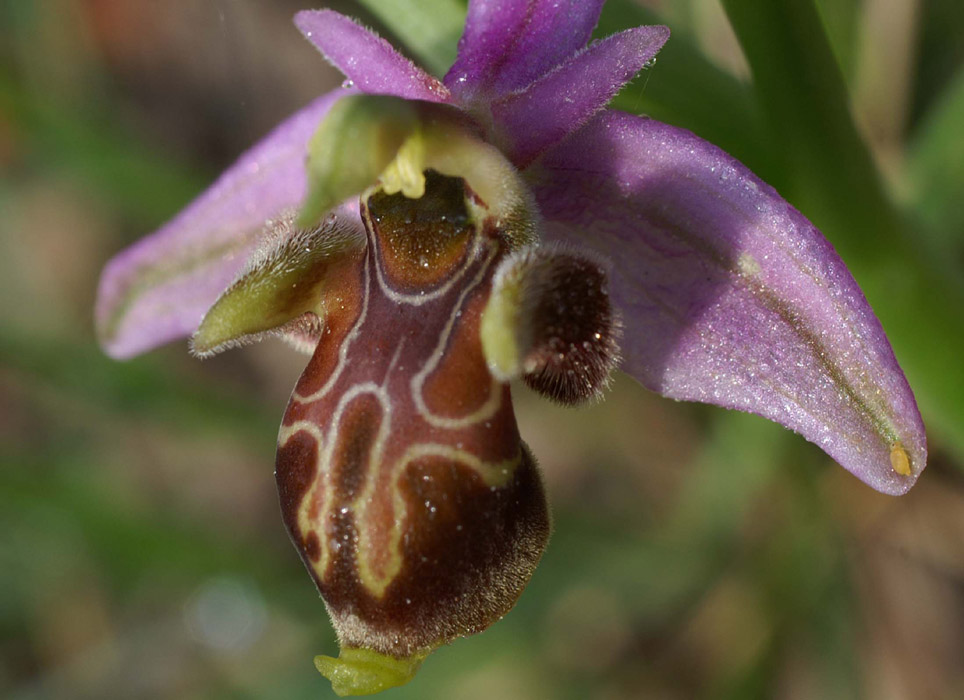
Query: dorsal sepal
x,y
282,288
550,321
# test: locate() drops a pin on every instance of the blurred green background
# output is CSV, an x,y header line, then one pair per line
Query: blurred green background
x,y
697,553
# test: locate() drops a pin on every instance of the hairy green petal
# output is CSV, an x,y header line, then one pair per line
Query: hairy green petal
x,y
282,288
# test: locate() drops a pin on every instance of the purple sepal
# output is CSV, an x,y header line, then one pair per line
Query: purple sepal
x,y
158,289
532,120
366,59
729,295
507,44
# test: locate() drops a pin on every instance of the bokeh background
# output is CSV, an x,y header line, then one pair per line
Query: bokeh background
x,y
697,553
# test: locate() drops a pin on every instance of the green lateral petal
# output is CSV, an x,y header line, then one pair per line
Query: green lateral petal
x,y
284,286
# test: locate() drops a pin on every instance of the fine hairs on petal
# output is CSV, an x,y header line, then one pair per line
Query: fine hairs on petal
x,y
283,245
278,291
551,322
158,289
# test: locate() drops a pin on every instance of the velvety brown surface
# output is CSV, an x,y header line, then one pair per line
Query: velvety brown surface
x,y
425,515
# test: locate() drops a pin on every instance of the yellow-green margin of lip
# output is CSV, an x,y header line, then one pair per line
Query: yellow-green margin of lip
x,y
499,329
364,671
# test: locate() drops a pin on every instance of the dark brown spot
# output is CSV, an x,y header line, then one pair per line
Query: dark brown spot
x,y
296,466
351,457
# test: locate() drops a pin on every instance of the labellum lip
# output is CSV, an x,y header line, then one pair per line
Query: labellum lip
x,y
404,482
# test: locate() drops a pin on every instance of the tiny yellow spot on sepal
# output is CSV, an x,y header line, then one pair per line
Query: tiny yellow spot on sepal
x,y
364,671
899,459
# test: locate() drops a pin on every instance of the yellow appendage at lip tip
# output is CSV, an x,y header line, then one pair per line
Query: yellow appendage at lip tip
x,y
364,672
899,459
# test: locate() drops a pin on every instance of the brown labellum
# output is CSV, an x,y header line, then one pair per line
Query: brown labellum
x,y
403,480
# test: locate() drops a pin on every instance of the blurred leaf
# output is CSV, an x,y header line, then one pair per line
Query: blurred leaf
x,y
94,150
829,174
146,387
430,28
47,496
128,543
685,89
940,51
841,20
936,173
827,169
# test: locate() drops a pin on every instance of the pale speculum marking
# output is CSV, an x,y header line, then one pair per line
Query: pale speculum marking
x,y
403,426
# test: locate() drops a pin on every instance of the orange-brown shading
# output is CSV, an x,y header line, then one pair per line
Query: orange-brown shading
x,y
461,383
422,241
342,303
296,468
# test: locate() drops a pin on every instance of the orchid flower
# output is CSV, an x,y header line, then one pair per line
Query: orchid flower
x,y
427,241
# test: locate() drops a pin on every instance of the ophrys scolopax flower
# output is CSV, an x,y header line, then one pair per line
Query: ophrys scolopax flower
x,y
448,240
